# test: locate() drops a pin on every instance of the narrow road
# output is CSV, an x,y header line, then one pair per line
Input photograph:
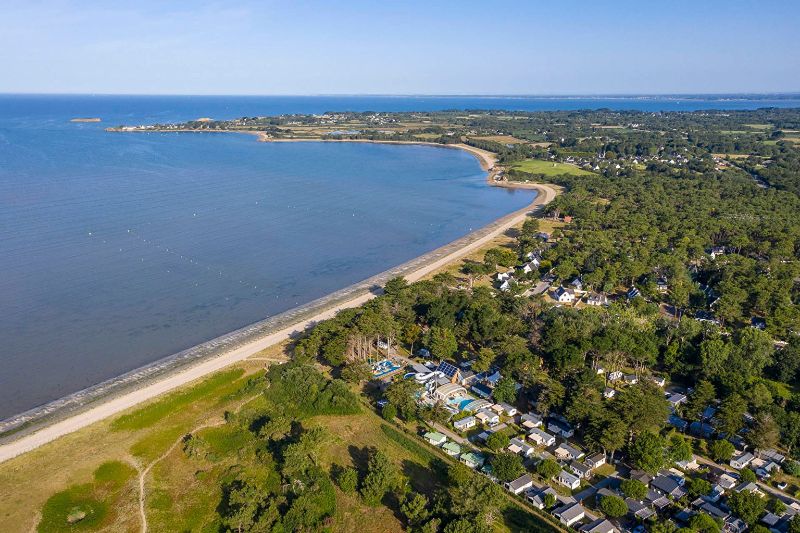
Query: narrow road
x,y
777,493
449,434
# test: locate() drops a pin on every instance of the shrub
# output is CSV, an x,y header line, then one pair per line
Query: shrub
x,y
548,468
497,441
507,466
633,488
721,451
792,468
613,506
389,412
748,476
347,479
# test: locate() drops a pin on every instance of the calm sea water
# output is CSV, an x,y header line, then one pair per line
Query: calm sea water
x,y
119,249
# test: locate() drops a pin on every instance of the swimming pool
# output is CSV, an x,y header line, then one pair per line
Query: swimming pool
x,y
384,367
460,402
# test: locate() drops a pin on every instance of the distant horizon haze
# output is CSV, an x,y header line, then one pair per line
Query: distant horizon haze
x,y
719,95
359,47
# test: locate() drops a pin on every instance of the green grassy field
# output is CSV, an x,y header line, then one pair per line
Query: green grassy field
x,y
92,476
549,168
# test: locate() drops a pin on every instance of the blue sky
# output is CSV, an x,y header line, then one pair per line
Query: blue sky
x,y
410,47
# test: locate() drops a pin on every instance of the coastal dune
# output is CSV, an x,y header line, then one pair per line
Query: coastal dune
x,y
412,271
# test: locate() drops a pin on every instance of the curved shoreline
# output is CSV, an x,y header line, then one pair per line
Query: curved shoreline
x,y
174,371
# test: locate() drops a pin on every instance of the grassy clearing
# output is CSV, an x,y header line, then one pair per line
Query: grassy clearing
x,y
74,509
416,448
549,168
502,139
74,459
103,504
157,411
426,136
732,156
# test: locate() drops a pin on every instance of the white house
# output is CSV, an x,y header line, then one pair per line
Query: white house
x,y
537,497
727,481
472,459
609,393
565,295
560,428
519,446
742,460
541,437
520,484
435,438
593,461
530,421
630,379
691,464
616,375
465,423
509,410
677,399
568,479
451,448
581,470
597,300
531,256
567,452
485,416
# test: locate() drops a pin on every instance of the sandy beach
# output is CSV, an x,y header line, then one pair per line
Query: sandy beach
x,y
415,270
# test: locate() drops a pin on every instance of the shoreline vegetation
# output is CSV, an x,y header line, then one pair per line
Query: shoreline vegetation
x,y
34,428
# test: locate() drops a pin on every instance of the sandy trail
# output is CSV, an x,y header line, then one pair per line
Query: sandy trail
x,y
143,472
184,376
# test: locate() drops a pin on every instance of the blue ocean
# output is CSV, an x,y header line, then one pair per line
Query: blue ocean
x,y
119,249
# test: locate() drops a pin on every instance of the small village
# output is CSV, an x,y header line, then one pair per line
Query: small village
x,y
570,479
565,479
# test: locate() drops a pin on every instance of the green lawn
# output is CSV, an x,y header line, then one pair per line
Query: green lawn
x,y
155,412
549,168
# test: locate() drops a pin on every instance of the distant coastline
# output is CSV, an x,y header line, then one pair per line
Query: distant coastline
x,y
88,119
486,159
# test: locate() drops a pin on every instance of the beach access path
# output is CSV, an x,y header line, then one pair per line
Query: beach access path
x,y
168,383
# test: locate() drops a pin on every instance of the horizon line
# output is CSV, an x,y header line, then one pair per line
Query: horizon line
x,y
794,93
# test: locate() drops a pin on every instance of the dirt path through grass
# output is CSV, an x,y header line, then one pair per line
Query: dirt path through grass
x,y
143,472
